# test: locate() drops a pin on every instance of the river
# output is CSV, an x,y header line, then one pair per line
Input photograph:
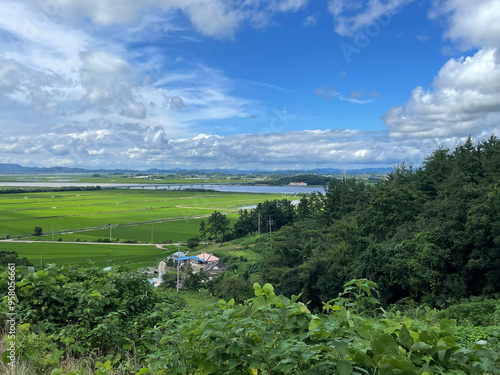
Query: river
x,y
216,187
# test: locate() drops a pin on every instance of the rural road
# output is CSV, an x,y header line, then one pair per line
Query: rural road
x,y
159,246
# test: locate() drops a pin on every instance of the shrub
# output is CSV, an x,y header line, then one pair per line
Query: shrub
x,y
472,313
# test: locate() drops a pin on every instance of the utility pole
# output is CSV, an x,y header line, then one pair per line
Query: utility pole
x,y
110,231
178,264
152,226
270,222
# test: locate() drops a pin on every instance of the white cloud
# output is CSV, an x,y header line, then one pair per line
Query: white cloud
x,y
471,23
133,145
465,100
422,37
352,16
176,103
108,81
309,21
216,18
340,148
357,97
289,5
465,95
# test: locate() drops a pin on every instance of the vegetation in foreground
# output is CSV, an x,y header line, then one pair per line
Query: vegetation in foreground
x,y
88,321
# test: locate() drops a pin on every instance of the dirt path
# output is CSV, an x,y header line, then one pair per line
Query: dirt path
x,y
159,246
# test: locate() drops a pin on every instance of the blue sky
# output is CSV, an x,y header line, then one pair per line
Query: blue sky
x,y
248,84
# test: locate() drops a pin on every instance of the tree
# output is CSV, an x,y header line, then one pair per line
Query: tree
x,y
38,231
193,242
169,280
246,224
7,257
218,225
203,230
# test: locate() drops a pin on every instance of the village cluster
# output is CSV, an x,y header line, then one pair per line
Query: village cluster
x,y
211,265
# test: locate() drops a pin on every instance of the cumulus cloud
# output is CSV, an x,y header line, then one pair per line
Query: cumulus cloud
x,y
471,24
465,99
351,16
465,95
216,18
107,80
324,148
140,146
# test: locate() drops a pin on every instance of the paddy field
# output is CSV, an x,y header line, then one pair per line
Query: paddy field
x,y
143,225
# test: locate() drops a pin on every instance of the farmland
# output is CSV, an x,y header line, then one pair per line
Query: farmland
x,y
74,224
64,254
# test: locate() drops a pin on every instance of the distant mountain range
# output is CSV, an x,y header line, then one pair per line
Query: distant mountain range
x,y
16,168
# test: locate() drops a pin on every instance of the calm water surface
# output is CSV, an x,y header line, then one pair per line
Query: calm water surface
x,y
231,188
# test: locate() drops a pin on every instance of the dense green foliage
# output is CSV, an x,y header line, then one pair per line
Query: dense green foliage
x,y
431,235
128,328
12,257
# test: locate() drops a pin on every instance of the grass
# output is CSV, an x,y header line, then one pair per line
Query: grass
x,y
92,210
197,300
146,216
234,249
65,254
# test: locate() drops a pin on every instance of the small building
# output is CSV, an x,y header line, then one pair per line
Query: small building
x,y
207,257
192,260
301,184
214,269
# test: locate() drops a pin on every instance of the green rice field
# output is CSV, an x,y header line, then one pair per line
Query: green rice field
x,y
73,223
65,254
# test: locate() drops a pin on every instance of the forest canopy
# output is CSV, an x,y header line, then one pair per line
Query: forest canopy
x,y
429,234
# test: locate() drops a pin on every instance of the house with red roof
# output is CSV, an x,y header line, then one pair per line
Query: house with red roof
x,y
207,257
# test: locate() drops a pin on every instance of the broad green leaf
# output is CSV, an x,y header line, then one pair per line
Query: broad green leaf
x,y
396,366
344,367
314,323
363,359
268,289
448,326
384,345
366,331
341,348
429,338
405,337
257,289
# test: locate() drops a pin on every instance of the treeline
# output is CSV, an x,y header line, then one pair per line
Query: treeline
x,y
430,234
48,189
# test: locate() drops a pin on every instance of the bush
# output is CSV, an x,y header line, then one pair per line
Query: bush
x,y
480,313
